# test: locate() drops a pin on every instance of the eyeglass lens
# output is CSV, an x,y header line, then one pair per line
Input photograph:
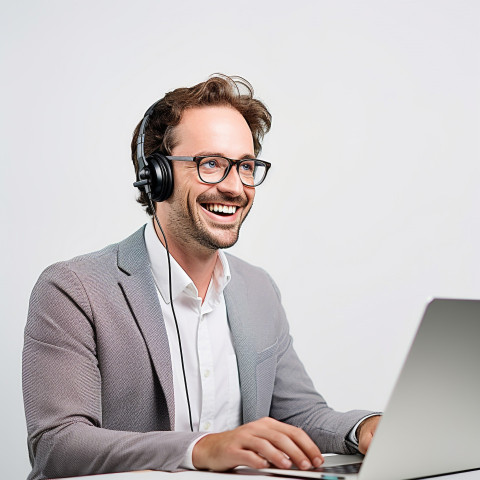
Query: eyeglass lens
x,y
212,170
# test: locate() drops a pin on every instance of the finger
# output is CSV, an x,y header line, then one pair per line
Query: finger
x,y
301,449
307,446
292,442
250,459
274,455
289,447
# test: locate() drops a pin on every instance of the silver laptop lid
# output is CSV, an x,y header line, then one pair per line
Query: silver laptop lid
x,y
432,421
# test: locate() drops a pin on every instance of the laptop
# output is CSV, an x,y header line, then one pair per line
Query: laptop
x,y
431,425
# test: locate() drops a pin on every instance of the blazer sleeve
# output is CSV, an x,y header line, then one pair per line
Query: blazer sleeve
x,y
63,392
296,401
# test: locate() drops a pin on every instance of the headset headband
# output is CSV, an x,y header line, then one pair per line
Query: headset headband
x,y
141,138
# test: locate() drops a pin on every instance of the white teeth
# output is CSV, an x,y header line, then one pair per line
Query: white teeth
x,y
215,207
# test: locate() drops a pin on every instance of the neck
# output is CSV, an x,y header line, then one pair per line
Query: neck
x,y
197,263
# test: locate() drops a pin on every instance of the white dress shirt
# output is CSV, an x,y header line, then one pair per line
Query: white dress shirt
x,y
210,360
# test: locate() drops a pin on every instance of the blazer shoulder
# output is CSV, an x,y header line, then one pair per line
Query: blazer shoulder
x,y
251,274
239,266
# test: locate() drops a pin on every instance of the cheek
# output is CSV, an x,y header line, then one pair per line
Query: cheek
x,y
190,197
183,188
250,195
185,180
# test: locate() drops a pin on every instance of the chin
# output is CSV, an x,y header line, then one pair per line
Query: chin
x,y
221,240
224,243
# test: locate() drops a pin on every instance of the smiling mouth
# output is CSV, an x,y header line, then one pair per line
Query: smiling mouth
x,y
220,209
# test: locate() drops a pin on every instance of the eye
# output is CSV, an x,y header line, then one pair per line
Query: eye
x,y
209,163
247,167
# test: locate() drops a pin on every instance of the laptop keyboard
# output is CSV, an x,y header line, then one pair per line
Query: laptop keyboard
x,y
348,468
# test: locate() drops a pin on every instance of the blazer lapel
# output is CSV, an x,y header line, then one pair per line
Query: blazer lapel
x,y
136,282
237,310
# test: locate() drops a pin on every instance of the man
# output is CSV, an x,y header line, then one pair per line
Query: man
x,y
134,360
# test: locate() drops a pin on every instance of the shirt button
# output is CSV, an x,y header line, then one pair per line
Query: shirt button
x,y
206,373
206,426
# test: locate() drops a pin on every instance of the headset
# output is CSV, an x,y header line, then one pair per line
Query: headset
x,y
155,178
155,175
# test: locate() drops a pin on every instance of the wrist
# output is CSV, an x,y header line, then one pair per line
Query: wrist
x,y
187,461
198,453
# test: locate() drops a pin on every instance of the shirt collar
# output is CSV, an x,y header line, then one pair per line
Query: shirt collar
x,y
181,282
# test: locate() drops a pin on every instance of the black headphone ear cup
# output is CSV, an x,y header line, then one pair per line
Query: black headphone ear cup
x,y
161,177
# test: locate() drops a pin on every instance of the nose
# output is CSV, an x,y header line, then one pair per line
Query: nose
x,y
231,183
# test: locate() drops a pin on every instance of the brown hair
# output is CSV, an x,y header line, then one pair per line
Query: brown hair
x,y
217,90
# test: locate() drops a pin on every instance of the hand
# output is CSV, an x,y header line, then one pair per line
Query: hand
x,y
365,432
258,444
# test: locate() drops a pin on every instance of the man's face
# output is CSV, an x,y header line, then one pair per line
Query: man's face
x,y
191,221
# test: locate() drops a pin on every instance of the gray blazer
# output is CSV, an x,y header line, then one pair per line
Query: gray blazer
x,y
97,374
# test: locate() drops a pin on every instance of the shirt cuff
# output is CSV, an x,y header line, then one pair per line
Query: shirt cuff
x,y
187,461
352,434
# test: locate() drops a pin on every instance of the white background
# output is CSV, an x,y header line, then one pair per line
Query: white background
x,y
370,208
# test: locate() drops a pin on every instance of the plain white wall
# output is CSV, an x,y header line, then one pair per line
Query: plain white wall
x,y
371,206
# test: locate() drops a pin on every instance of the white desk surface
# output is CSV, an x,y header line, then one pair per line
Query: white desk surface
x,y
197,475
159,475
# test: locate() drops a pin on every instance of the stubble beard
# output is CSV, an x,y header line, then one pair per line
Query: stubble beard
x,y
190,230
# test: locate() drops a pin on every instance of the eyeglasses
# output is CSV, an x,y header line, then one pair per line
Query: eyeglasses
x,y
215,168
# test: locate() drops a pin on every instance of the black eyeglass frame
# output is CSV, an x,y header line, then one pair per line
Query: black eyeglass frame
x,y
231,163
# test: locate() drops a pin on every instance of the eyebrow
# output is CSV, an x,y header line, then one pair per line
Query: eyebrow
x,y
246,156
